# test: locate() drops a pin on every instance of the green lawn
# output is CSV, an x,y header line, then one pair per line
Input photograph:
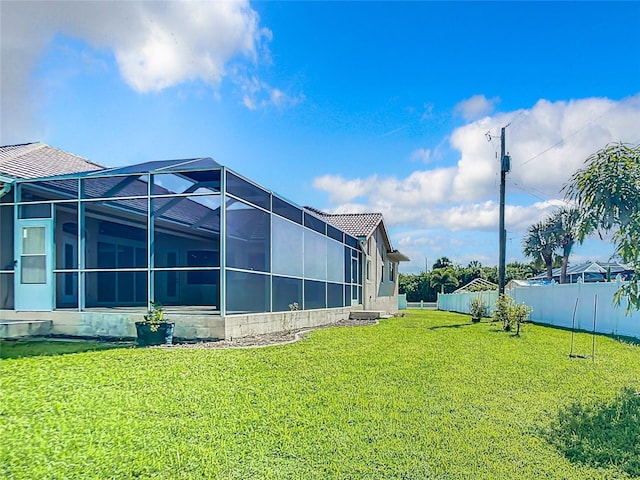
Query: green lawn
x,y
425,396
38,347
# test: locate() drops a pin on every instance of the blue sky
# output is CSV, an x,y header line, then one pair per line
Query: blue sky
x,y
347,107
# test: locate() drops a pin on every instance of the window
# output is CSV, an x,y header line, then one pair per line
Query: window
x,y
34,256
248,237
368,272
286,210
335,262
288,258
247,191
335,295
315,295
315,223
392,272
247,292
286,291
315,255
351,241
36,210
334,233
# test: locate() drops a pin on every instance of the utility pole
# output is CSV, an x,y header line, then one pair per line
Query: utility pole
x,y
505,166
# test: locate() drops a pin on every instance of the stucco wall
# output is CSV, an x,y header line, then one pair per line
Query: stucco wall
x,y
258,323
379,292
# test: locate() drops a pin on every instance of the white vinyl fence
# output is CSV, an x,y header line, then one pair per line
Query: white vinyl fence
x,y
554,304
461,302
421,305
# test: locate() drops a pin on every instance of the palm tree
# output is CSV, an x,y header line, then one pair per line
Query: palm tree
x,y
566,223
442,262
542,241
443,277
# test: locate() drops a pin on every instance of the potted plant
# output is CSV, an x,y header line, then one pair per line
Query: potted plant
x,y
155,329
477,310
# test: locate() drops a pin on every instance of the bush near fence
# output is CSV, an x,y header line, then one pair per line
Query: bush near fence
x,y
461,302
554,304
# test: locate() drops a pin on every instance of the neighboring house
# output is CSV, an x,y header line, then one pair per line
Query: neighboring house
x,y
90,247
591,272
380,285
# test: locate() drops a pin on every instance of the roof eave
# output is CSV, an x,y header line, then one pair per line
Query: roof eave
x,y
397,256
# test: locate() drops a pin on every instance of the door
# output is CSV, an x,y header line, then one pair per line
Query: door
x,y
34,272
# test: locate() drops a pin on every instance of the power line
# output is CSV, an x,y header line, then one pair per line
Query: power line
x,y
540,195
569,136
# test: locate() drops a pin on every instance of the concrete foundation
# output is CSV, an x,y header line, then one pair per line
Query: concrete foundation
x,y
121,324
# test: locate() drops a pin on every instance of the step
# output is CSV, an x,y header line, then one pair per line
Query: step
x,y
365,315
25,328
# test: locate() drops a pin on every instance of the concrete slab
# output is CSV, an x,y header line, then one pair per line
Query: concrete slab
x,y
25,328
366,315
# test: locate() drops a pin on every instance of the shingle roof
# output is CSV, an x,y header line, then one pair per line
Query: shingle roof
x,y
356,224
361,225
33,160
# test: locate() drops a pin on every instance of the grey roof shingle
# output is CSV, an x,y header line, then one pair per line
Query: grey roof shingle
x,y
356,224
33,160
361,225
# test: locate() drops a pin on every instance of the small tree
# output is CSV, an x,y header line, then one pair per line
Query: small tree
x,y
566,223
510,314
478,309
607,192
542,241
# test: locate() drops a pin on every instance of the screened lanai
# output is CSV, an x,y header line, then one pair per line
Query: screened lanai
x,y
187,234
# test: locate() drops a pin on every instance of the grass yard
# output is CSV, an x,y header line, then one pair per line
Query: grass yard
x,y
425,396
38,347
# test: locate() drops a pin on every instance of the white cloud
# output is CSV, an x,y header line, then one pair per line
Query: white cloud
x,y
464,196
476,107
344,191
155,44
257,94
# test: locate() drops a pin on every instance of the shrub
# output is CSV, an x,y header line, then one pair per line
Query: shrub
x,y
155,316
478,308
510,314
501,313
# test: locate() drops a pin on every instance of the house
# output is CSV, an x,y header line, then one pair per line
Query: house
x,y
380,258
30,160
89,248
591,272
